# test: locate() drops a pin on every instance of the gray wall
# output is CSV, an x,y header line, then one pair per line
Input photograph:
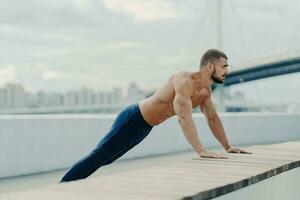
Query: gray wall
x,y
38,143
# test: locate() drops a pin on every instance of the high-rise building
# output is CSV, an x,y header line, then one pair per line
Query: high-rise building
x,y
14,96
85,96
99,98
107,97
117,95
70,98
32,100
3,98
55,99
134,93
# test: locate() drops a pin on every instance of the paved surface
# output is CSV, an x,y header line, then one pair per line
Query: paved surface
x,y
193,178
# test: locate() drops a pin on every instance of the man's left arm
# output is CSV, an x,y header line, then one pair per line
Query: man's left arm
x,y
215,125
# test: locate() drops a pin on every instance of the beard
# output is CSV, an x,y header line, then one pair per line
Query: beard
x,y
216,79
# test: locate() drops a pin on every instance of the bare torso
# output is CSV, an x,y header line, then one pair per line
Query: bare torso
x,y
159,107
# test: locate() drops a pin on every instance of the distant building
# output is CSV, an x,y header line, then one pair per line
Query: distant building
x,y
85,96
3,99
103,98
117,95
135,93
12,96
31,100
99,98
70,98
55,99
107,97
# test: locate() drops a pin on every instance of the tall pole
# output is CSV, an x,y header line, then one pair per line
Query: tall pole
x,y
220,90
219,24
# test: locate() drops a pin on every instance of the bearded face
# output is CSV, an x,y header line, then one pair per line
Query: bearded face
x,y
216,78
220,71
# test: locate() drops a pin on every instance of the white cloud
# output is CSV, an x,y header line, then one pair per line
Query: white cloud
x,y
7,75
143,10
50,74
83,5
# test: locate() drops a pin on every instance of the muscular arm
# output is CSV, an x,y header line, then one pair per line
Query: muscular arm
x,y
214,122
183,109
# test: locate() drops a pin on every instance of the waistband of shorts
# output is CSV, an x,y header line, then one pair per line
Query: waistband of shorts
x,y
136,105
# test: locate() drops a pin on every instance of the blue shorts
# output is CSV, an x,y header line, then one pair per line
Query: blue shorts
x,y
128,129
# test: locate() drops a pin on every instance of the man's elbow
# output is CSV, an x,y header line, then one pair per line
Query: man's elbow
x,y
184,117
182,110
181,118
212,119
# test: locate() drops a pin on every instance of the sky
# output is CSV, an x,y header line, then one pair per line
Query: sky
x,y
62,45
279,89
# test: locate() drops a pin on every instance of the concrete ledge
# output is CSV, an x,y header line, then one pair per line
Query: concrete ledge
x,y
195,178
38,143
222,190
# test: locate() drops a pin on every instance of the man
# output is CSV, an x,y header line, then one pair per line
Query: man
x,y
178,96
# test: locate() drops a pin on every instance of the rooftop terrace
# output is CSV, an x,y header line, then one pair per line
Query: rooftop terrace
x,y
194,178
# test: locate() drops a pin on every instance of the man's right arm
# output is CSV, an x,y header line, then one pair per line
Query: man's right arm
x,y
183,109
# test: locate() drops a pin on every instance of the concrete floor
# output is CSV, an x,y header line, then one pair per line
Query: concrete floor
x,y
32,181
176,176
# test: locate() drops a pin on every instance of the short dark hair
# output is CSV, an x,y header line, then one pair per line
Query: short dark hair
x,y
211,55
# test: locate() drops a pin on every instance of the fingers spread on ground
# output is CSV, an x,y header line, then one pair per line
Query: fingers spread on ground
x,y
247,152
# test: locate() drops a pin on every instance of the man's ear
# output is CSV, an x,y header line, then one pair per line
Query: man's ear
x,y
210,67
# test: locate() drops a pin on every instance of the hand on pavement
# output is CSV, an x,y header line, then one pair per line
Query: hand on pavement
x,y
237,150
206,154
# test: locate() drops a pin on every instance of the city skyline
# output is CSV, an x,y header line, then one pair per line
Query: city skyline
x,y
16,96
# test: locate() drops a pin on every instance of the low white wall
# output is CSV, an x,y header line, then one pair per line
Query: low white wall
x,y
281,186
38,143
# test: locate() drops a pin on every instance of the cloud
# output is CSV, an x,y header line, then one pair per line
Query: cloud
x,y
50,74
143,10
7,75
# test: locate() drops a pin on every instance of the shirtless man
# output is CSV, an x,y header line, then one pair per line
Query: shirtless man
x,y
178,96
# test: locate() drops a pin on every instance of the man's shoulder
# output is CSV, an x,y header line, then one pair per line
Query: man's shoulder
x,y
182,84
182,81
181,76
